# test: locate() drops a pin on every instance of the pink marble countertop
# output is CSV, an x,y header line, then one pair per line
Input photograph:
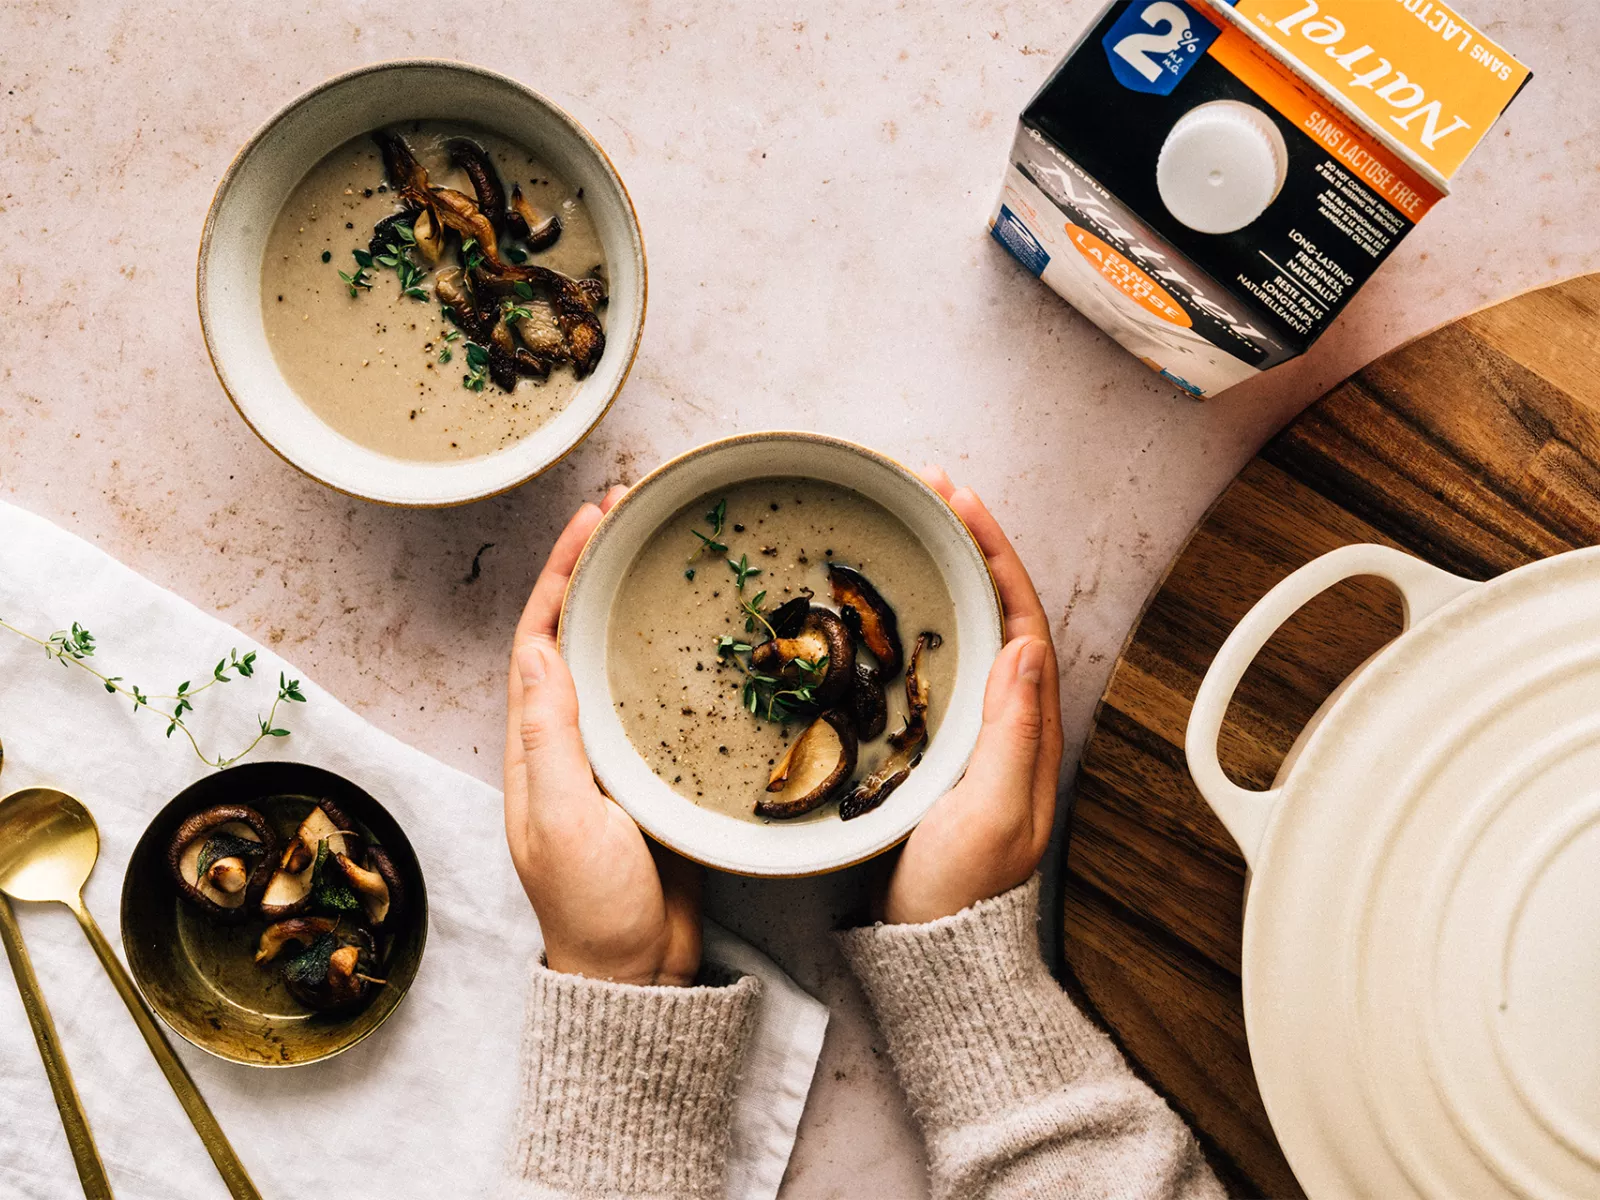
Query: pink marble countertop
x,y
813,186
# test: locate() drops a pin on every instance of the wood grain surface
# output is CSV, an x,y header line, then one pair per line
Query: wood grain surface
x,y
1475,447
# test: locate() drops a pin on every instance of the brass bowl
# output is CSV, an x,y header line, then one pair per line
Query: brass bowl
x,y
200,977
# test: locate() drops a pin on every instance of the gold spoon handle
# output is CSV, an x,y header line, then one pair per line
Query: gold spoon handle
x,y
216,1142
91,1171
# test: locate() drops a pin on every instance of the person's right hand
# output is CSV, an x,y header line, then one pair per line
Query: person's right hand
x,y
987,834
610,904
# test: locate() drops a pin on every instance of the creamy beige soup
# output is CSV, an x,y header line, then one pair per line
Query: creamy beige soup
x,y
682,703
385,369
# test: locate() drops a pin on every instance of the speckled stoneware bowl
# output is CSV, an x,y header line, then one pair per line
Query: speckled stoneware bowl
x,y
253,191
200,977
776,848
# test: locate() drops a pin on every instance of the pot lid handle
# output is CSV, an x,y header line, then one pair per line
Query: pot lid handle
x,y
1246,812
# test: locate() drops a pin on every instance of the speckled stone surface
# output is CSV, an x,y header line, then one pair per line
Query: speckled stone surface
x,y
813,182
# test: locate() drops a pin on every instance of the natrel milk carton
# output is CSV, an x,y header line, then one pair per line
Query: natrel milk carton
x,y
1210,182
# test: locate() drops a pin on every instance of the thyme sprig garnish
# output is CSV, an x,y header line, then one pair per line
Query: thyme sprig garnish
x,y
715,518
768,695
743,570
359,279
75,645
446,354
477,368
398,258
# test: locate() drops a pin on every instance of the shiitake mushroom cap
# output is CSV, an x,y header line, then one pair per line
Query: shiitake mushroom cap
x,y
905,745
196,828
821,634
869,705
818,763
289,887
869,616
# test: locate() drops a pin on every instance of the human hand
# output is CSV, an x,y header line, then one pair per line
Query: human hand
x,y
987,834
611,905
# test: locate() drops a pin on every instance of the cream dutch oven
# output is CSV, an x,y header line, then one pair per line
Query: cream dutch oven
x,y
1422,937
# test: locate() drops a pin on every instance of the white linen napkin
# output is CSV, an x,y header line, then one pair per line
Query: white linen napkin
x,y
424,1106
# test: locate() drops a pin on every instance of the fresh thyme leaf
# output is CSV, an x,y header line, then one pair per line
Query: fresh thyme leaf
x,y
718,515
445,355
477,368
711,544
523,289
728,644
363,259
515,255
689,574
310,966
515,312
224,845
743,570
406,235
451,335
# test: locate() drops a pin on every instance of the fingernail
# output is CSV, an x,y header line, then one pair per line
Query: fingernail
x,y
530,662
1030,663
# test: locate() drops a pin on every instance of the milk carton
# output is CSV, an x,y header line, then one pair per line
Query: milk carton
x,y
1210,183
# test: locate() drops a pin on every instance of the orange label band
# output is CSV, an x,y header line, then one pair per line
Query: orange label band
x,y
1124,275
1363,156
1417,69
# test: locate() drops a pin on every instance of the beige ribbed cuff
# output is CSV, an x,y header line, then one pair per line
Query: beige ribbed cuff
x,y
975,1023
628,1091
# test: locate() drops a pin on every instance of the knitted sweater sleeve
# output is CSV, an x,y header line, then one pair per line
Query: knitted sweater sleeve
x,y
1017,1093
627,1092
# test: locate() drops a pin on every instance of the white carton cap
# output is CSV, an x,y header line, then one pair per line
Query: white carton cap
x,y
1221,165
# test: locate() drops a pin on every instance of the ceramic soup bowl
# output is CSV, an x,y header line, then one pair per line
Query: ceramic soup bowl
x,y
273,162
729,842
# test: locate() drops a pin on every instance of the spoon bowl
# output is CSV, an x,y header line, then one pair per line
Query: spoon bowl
x,y
48,845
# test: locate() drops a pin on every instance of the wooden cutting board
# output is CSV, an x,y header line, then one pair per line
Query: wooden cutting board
x,y
1476,447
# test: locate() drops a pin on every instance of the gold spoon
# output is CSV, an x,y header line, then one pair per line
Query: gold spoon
x,y
91,1171
48,846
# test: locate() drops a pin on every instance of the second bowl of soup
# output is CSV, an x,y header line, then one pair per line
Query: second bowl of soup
x,y
780,643
422,283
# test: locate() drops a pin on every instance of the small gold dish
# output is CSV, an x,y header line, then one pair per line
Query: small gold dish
x,y
201,977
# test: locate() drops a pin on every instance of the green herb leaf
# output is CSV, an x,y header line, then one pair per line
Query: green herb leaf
x,y
362,258
310,966
327,256
445,355
406,235
689,575
743,570
523,289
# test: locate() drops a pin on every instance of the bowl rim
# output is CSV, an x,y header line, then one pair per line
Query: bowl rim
x,y
421,902
761,435
226,181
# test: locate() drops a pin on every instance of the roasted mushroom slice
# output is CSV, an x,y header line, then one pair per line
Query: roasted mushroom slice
x,y
819,762
821,644
406,174
502,349
523,220
336,964
289,890
787,618
540,330
906,744
377,885
450,285
222,858
461,213
868,615
869,707
474,160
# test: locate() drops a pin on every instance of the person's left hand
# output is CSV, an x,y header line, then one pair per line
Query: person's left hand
x,y
611,905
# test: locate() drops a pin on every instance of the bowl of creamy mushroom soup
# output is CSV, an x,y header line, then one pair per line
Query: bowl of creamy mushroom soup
x,y
422,283
780,643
